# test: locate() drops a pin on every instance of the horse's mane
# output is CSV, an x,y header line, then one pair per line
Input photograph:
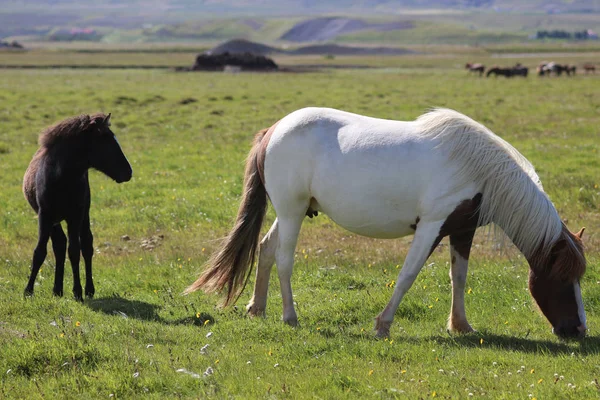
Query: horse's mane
x,y
69,128
513,196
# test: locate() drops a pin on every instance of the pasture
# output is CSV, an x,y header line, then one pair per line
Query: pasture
x,y
187,136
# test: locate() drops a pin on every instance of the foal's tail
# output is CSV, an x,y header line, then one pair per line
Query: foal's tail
x,y
231,265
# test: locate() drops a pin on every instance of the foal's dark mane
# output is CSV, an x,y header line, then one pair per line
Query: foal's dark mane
x,y
69,128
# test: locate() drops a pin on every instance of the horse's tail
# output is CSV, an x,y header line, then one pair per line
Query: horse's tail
x,y
230,266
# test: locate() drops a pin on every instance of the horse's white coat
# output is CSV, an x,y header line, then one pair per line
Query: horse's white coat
x,y
378,177
373,177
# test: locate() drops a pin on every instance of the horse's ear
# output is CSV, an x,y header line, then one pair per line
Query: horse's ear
x,y
580,233
107,120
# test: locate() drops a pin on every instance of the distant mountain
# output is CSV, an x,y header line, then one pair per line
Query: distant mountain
x,y
300,21
165,8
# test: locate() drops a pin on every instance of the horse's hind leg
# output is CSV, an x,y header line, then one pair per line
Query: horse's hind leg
x,y
460,247
87,251
59,246
289,228
425,240
266,259
40,252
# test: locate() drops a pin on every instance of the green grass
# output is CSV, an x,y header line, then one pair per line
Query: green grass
x,y
134,337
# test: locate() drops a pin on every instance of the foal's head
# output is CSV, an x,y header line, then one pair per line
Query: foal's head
x,y
554,284
91,137
105,151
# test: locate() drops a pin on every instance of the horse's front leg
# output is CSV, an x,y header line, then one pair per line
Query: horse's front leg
x,y
74,231
87,251
460,248
427,237
289,228
59,246
40,252
266,259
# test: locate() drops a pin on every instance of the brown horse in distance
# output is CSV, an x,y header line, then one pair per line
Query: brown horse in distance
x,y
475,68
56,186
589,68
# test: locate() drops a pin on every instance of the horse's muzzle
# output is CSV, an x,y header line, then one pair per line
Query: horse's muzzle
x,y
570,332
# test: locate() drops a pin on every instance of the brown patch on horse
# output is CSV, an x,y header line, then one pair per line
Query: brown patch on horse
x,y
263,137
566,259
461,225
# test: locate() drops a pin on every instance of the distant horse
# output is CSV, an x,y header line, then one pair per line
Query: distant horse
x,y
475,68
507,72
441,175
589,68
56,186
520,70
546,69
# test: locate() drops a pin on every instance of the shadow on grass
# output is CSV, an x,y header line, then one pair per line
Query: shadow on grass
x,y
120,307
484,340
587,346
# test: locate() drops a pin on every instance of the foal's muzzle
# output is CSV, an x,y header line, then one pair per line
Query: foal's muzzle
x,y
124,176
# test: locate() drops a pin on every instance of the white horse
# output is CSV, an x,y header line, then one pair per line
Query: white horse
x,y
440,175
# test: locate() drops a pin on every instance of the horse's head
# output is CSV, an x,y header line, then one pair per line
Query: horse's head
x,y
105,153
554,284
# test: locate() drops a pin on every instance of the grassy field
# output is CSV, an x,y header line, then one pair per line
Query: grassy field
x,y
187,136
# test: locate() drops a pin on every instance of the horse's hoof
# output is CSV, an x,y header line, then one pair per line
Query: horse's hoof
x,y
460,327
28,292
90,293
78,297
57,292
255,311
382,328
293,322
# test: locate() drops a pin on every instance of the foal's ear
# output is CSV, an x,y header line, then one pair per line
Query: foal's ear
x,y
580,233
107,120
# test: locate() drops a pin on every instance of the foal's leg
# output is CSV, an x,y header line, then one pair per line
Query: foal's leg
x,y
289,228
425,239
87,250
40,252
266,259
460,247
59,246
73,230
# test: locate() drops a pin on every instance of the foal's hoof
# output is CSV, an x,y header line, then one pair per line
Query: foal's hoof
x,y
89,293
28,292
57,292
78,297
